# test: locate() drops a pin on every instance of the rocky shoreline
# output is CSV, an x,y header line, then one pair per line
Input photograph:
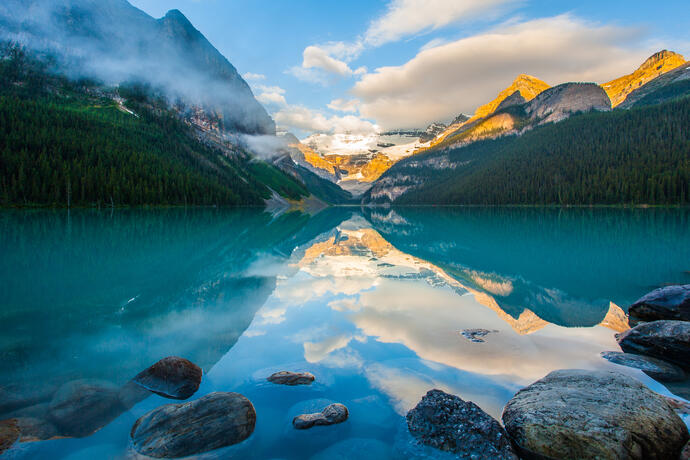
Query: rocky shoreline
x,y
568,414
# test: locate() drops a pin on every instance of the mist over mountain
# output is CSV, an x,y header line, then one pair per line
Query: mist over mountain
x,y
113,42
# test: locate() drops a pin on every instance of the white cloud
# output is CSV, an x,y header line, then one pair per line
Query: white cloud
x,y
270,95
442,81
344,105
408,17
249,76
303,118
330,59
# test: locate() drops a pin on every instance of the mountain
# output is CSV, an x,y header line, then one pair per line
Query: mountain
x,y
558,103
113,42
526,85
469,129
669,86
598,157
657,64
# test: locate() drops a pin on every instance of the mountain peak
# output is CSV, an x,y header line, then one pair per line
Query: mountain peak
x,y
527,86
657,64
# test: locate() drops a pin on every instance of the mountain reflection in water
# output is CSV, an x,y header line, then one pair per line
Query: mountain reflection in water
x,y
372,302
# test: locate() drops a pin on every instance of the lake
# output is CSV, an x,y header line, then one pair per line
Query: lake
x,y
373,302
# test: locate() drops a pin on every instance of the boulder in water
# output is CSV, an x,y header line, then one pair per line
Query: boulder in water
x,y
655,368
593,414
335,413
171,377
448,423
178,430
666,340
666,303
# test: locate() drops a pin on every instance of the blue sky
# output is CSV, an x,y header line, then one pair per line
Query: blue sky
x,y
404,63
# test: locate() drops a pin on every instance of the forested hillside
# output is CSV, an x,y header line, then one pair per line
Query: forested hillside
x,y
76,142
638,156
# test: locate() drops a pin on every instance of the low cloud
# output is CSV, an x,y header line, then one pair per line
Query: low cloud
x,y
320,62
305,119
457,77
249,76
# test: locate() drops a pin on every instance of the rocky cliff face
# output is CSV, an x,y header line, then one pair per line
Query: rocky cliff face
x,y
675,83
113,42
561,101
658,64
527,86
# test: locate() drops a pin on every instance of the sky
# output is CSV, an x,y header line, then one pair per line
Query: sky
x,y
364,66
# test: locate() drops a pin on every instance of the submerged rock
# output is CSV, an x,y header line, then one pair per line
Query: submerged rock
x,y
667,303
291,378
448,423
655,368
82,407
178,430
171,377
335,413
667,340
593,414
9,434
36,429
475,335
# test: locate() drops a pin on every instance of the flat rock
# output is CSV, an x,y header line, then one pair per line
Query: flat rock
x,y
178,430
291,378
82,407
666,340
655,368
593,414
448,423
476,335
9,434
335,413
666,303
171,377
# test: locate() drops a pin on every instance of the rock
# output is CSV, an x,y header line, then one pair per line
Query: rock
x,y
178,430
36,429
291,378
335,413
475,335
593,414
81,407
557,103
448,423
9,434
667,340
655,368
667,303
171,377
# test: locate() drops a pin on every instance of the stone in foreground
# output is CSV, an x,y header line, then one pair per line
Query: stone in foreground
x,y
171,377
335,413
291,378
653,367
448,423
593,414
178,430
667,340
9,434
667,303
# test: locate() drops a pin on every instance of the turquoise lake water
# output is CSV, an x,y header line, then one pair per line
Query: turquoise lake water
x,y
371,301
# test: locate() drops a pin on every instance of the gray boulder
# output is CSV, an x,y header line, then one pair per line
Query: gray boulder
x,y
171,377
655,368
593,414
667,303
291,378
448,423
667,340
335,413
82,407
178,430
